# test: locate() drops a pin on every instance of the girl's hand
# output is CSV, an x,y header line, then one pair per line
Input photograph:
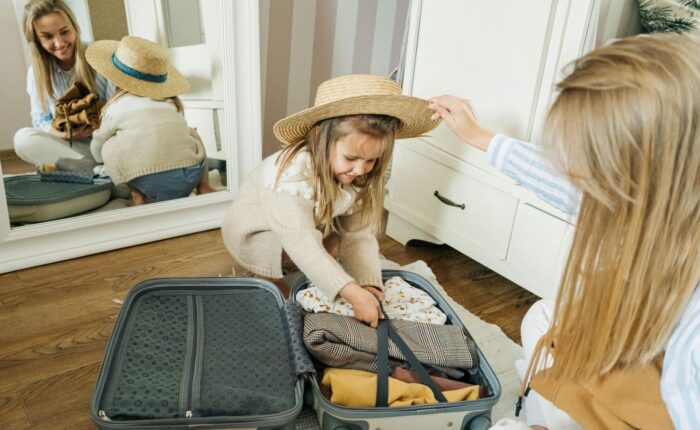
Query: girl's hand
x,y
364,303
376,292
459,116
79,133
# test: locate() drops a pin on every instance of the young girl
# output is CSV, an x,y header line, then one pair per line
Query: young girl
x,y
58,61
144,139
325,189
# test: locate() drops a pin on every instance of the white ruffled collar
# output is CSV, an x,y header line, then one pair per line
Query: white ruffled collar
x,y
296,180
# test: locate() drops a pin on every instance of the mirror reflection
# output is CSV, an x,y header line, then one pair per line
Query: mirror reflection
x,y
144,129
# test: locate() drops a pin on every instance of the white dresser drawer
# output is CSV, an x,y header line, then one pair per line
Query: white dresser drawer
x,y
447,203
538,250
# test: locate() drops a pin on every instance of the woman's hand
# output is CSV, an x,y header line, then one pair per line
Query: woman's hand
x,y
79,133
459,116
82,133
364,303
60,134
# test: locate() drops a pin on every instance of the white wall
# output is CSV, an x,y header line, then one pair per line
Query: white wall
x,y
14,111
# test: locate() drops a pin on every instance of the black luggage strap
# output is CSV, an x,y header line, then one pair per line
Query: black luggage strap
x,y
385,332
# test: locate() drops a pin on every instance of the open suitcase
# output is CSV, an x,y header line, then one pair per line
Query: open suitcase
x,y
227,353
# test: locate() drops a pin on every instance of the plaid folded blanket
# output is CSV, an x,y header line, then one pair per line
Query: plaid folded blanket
x,y
344,342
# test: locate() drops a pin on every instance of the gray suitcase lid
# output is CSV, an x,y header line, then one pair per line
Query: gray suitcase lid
x,y
30,190
203,383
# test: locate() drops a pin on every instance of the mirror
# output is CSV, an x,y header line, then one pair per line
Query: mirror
x,y
223,42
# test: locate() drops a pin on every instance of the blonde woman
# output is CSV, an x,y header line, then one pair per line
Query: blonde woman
x,y
620,348
325,189
58,60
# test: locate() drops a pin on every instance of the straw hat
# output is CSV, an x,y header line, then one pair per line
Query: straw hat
x,y
358,94
138,66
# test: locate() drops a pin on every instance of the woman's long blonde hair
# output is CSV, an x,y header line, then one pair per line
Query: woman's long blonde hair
x,y
625,128
42,61
369,187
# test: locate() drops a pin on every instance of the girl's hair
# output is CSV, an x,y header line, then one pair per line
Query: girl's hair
x,y
42,61
625,129
369,187
119,92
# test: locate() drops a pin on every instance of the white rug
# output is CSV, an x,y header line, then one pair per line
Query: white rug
x,y
499,350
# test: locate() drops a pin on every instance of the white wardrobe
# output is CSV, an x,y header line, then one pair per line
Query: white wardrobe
x,y
506,56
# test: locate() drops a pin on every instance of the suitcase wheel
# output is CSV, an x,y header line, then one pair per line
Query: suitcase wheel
x,y
479,423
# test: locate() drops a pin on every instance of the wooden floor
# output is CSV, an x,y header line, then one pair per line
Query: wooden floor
x,y
57,318
12,164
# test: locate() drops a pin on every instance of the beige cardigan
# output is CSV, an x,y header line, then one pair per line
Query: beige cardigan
x,y
139,136
265,219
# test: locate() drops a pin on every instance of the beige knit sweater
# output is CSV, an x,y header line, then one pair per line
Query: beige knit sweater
x,y
265,219
139,136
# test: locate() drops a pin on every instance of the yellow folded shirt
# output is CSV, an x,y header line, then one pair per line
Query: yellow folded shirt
x,y
358,389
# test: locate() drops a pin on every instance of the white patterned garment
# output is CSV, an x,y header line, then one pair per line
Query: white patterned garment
x,y
296,179
401,301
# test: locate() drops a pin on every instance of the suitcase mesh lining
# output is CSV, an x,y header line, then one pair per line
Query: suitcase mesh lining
x,y
148,382
244,363
245,332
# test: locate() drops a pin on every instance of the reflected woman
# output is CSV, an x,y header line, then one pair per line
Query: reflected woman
x,y
58,61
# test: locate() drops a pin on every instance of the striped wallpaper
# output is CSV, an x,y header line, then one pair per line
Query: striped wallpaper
x,y
305,42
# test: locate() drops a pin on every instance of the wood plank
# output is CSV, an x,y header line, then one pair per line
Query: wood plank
x,y
53,352
12,164
63,400
12,413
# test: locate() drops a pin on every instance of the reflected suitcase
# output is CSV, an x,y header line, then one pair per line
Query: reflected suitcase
x,y
29,199
227,353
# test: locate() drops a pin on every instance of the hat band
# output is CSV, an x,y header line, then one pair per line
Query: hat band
x,y
135,73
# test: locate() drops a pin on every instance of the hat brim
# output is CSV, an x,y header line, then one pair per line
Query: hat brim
x,y
99,56
412,112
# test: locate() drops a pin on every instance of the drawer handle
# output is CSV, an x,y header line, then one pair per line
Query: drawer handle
x,y
448,201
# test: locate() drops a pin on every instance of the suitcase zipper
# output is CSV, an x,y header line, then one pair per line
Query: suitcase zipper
x,y
196,340
103,415
190,351
192,359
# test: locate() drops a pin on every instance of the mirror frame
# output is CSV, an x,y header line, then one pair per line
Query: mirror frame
x,y
51,241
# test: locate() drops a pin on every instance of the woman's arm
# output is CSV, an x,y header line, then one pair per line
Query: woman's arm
x,y
523,162
680,378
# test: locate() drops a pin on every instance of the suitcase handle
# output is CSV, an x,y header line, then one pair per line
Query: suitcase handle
x,y
385,332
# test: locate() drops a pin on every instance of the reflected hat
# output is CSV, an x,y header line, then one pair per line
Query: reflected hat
x,y
138,66
355,95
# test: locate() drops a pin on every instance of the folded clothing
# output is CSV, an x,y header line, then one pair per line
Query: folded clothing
x,y
401,301
344,342
76,164
358,389
444,384
66,176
